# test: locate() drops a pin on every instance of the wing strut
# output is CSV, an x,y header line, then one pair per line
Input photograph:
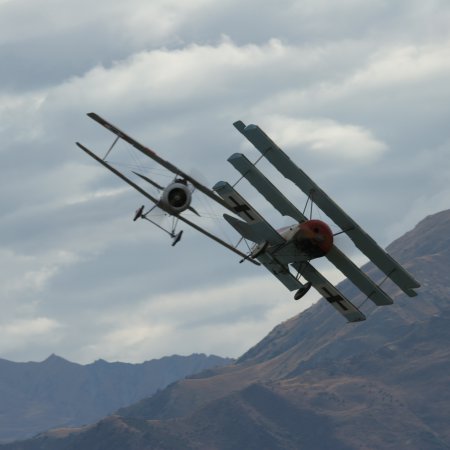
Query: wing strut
x,y
110,148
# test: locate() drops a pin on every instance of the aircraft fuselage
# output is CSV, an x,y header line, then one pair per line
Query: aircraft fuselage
x,y
304,241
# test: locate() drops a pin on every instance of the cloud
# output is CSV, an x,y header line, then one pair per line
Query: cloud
x,y
20,333
355,92
46,41
29,328
178,75
326,138
226,313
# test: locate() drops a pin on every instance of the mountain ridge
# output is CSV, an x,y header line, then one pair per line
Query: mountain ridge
x,y
56,392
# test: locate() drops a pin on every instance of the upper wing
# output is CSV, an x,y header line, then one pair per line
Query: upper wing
x,y
360,238
151,154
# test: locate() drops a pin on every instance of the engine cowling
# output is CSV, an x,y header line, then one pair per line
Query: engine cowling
x,y
176,197
314,237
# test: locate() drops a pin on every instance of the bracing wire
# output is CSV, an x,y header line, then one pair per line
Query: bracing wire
x,y
309,201
379,285
243,176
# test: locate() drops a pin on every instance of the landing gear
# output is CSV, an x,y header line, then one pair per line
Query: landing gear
x,y
302,291
172,233
176,238
139,213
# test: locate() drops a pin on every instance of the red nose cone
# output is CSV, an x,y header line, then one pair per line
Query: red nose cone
x,y
319,233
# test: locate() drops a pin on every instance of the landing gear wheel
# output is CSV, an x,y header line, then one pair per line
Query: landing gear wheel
x,y
177,238
302,291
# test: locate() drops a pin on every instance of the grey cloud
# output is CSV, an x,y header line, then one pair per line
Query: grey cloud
x,y
94,284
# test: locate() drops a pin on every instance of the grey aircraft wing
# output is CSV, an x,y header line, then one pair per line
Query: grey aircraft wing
x,y
360,238
330,293
151,154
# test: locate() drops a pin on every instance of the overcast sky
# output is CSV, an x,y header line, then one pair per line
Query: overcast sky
x,y
355,91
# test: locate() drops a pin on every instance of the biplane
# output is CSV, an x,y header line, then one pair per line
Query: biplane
x,y
287,252
174,199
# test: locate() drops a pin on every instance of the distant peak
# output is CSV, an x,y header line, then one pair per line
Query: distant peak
x,y
100,362
55,359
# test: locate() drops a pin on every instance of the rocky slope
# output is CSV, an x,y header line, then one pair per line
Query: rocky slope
x,y
314,382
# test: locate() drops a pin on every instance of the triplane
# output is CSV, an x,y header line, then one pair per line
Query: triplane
x,y
279,250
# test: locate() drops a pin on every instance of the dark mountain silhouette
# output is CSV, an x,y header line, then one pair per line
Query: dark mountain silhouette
x,y
56,392
314,382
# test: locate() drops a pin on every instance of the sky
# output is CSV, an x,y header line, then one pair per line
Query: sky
x,y
356,92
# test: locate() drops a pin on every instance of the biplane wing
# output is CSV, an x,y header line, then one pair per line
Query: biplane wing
x,y
361,239
158,203
286,208
151,154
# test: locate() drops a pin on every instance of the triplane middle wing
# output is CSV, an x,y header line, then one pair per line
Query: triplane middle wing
x,y
175,198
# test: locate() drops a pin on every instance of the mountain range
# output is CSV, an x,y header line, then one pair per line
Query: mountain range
x,y
36,396
314,382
